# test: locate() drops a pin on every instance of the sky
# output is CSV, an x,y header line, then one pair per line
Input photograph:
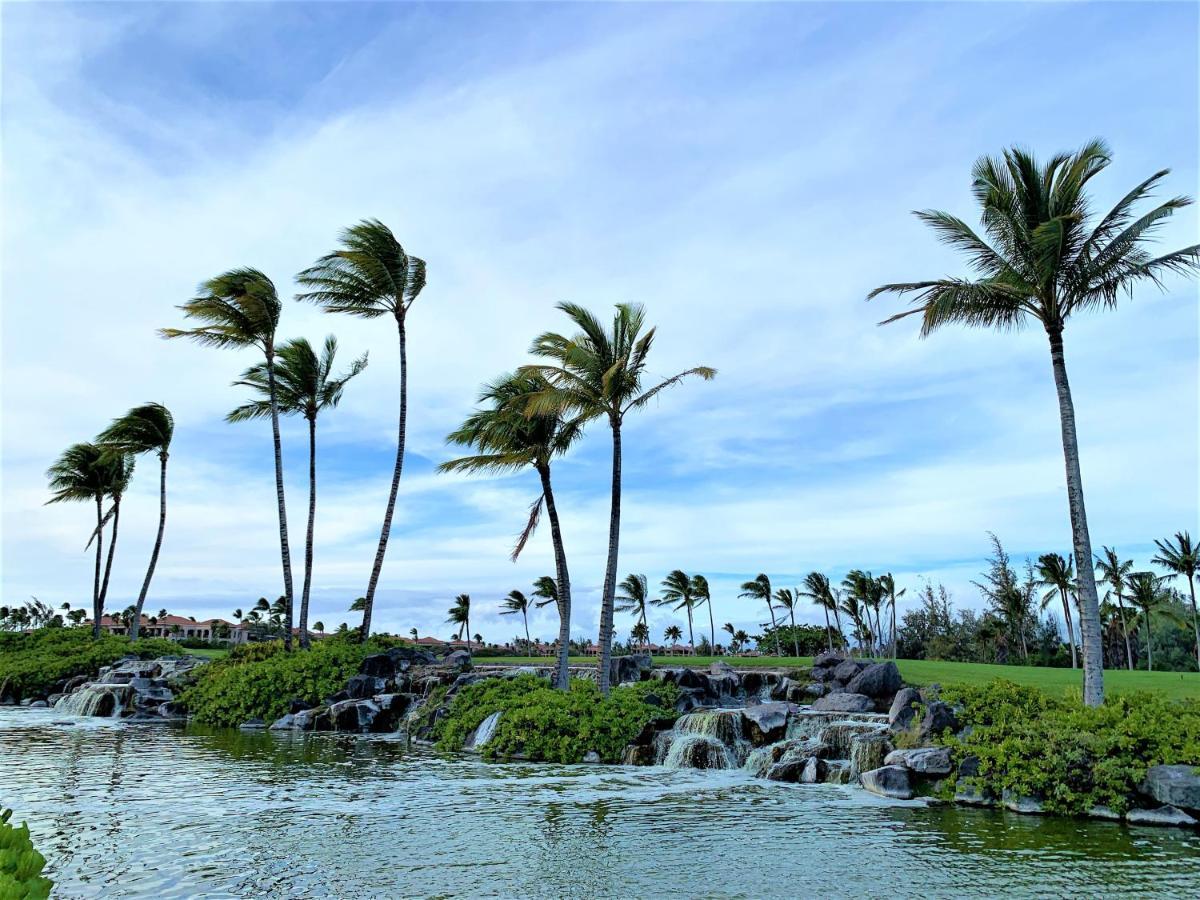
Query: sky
x,y
745,171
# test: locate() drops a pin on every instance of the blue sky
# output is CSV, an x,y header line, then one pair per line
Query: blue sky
x,y
745,170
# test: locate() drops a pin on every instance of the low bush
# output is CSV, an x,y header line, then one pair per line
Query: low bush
x,y
31,664
545,725
1070,756
20,863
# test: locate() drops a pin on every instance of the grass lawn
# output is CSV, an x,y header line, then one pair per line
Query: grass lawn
x,y
927,671
207,653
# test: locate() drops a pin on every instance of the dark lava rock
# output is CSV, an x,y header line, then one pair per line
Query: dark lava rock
x,y
788,770
939,717
828,659
252,725
338,697
889,781
821,675
877,680
924,760
766,723
297,705
457,659
815,771
720,667
844,702
353,715
904,709
1164,815
847,669
624,669
379,665
1173,785
361,687
690,678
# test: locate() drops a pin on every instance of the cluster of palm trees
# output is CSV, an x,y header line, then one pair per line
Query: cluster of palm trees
x,y
33,614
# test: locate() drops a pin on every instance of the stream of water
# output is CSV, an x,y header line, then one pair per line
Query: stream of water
x,y
124,810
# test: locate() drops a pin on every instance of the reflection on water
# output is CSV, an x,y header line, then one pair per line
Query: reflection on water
x,y
153,811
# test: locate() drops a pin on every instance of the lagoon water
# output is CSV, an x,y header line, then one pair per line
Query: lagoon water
x,y
125,810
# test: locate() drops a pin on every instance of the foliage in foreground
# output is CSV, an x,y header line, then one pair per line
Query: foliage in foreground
x,y
20,863
545,725
1070,756
30,664
258,681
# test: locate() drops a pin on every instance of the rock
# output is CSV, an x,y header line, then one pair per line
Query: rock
x,y
720,667
815,689
623,669
636,755
338,697
844,702
766,722
837,771
787,770
458,660
828,659
1027,805
378,665
686,703
353,715
924,760
821,675
253,725
1173,785
903,709
846,670
591,757
867,752
1164,815
939,717
284,723
840,735
889,781
298,705
690,678
878,681
361,687
1103,812
315,719
815,770
39,704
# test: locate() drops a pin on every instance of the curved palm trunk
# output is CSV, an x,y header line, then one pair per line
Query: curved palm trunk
x,y
528,643
1125,632
467,629
1089,603
162,525
285,552
691,636
112,547
837,616
795,636
774,627
828,631
1195,618
893,641
1149,645
97,607
308,538
562,671
1066,602
386,531
610,572
712,627
645,627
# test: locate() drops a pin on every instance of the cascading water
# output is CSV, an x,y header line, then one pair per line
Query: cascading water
x,y
706,739
484,733
106,700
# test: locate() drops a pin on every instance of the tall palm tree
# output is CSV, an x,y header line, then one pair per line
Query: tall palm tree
x,y
862,595
1046,257
634,596
850,602
728,627
640,633
1113,572
1057,574
1147,595
371,276
145,429
677,593
506,439
460,615
304,386
703,595
593,374
760,589
517,602
546,589
78,476
818,589
240,308
118,470
1182,558
786,598
673,634
888,584
741,638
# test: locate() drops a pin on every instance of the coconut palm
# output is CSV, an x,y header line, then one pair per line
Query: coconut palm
x,y
304,386
371,276
677,593
862,595
1181,557
640,633
118,471
460,614
673,634
850,602
1147,595
545,589
507,439
741,638
634,596
1113,572
1057,574
596,374
240,308
786,598
760,589
729,629
888,584
1045,258
818,589
145,429
514,603
703,595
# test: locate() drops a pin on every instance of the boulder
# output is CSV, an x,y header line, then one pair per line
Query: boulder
x,y
353,715
889,781
298,705
766,723
39,704
837,771
284,723
1173,786
622,669
591,757
801,693
827,659
1019,804
720,667
253,725
844,702
878,680
815,770
1164,815
821,675
846,670
361,687
315,719
638,755
457,660
378,665
939,717
924,760
867,752
788,770
690,678
903,709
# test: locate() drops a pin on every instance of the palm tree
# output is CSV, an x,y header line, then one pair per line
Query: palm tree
x,y
673,634
850,603
514,603
117,470
304,385
760,589
703,597
460,615
741,638
1043,260
1113,572
634,596
786,598
371,276
413,633
728,627
640,633
862,594
319,627
240,308
818,589
507,439
888,584
1056,573
677,590
1182,557
1146,594
599,374
145,429
546,589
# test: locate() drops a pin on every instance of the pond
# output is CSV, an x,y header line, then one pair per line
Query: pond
x,y
125,810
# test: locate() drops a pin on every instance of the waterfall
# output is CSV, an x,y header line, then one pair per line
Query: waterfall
x,y
107,700
484,733
705,739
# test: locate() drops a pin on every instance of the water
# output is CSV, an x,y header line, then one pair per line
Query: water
x,y
127,810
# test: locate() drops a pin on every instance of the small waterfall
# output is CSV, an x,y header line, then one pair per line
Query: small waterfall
x,y
105,700
484,733
705,739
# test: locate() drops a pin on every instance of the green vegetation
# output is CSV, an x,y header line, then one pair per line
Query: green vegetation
x,y
31,664
20,863
541,724
1070,756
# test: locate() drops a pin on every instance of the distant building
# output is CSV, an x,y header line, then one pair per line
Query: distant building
x,y
181,628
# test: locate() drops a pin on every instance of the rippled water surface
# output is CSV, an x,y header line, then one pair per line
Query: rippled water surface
x,y
154,811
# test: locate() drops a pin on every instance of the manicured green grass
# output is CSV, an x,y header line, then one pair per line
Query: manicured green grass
x,y
1058,682
207,653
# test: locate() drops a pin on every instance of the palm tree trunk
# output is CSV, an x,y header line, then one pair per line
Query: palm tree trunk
x,y
285,552
691,635
1125,632
162,525
386,531
1089,603
837,616
774,627
1149,644
112,546
308,538
712,627
828,632
562,676
528,643
467,629
1066,602
1195,618
97,607
610,572
893,640
795,636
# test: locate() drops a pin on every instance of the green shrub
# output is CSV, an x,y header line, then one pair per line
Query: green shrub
x,y
1070,756
541,724
31,664
20,864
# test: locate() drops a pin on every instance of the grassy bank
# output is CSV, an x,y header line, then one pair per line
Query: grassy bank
x,y
1056,682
